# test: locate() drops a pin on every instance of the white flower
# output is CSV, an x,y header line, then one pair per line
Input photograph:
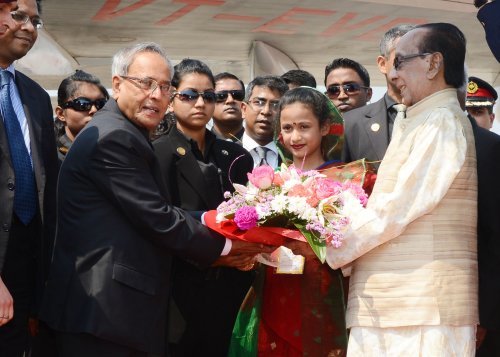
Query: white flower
x,y
309,214
329,209
251,194
279,204
297,205
263,210
350,204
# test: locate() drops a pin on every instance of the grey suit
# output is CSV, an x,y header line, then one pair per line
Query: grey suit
x,y
366,131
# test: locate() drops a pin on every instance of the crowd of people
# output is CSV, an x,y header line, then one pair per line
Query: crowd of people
x,y
103,246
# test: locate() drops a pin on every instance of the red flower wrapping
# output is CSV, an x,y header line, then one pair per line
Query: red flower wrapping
x,y
266,235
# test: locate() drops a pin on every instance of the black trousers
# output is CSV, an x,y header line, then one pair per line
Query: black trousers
x,y
18,275
85,345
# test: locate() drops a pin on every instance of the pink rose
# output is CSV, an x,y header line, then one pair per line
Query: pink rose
x,y
261,177
246,217
326,188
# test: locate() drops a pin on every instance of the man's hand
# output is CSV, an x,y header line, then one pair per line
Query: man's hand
x,y
242,255
6,304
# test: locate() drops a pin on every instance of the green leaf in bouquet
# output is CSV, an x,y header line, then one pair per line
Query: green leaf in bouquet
x,y
277,221
317,245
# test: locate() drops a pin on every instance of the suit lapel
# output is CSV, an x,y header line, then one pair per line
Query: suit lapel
x,y
35,130
4,146
376,128
189,169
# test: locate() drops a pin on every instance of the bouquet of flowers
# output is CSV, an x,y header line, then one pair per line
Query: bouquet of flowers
x,y
306,201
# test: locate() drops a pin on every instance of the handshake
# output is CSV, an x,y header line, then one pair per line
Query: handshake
x,y
243,255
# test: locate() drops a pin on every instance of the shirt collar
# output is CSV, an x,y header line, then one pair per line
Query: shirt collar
x,y
11,69
249,144
389,102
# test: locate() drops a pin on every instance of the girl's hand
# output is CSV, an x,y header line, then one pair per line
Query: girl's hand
x,y
300,248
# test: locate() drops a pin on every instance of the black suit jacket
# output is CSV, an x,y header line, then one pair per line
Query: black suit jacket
x,y
191,188
116,233
38,110
365,133
488,227
211,297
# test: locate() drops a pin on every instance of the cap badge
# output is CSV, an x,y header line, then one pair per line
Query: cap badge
x,y
472,87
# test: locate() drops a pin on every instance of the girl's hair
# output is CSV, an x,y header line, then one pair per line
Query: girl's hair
x,y
70,85
322,108
187,66
67,89
311,98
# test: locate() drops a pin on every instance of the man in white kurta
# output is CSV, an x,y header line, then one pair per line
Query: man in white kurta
x,y
412,251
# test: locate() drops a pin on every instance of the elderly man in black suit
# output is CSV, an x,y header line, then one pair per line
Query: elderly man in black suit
x,y
28,172
107,293
368,128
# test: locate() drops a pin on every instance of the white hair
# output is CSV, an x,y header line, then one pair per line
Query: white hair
x,y
124,58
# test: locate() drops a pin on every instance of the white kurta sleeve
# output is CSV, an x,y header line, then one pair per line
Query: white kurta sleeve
x,y
425,159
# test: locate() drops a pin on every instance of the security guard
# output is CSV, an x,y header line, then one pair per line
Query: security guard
x,y
480,100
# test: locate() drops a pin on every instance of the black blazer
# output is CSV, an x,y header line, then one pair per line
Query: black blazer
x,y
488,225
38,110
191,188
200,187
116,232
360,140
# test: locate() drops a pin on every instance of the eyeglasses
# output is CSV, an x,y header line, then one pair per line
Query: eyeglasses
x,y
190,95
333,91
258,104
223,94
149,84
23,18
82,104
399,60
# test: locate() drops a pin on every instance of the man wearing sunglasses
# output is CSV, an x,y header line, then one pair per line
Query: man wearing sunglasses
x,y
28,169
227,117
368,129
260,108
413,249
347,84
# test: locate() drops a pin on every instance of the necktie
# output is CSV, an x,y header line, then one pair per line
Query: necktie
x,y
401,114
262,152
401,111
25,190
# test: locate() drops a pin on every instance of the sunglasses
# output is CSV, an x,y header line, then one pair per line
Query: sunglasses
x,y
190,95
399,60
350,88
223,94
82,104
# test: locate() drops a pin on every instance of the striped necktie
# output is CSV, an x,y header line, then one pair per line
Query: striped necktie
x,y
262,152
